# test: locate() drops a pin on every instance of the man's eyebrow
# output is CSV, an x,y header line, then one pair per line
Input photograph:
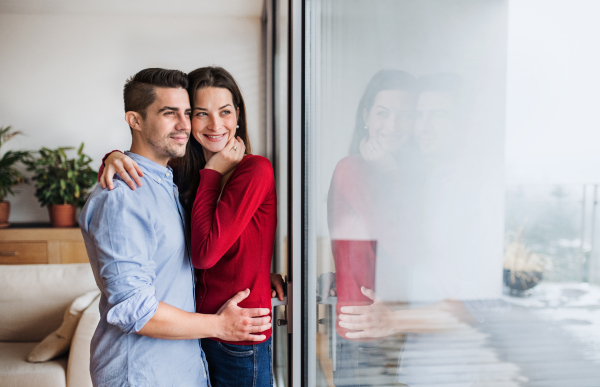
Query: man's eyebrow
x,y
175,109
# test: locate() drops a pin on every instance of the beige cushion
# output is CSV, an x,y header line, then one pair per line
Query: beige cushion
x,y
15,371
78,371
59,341
33,298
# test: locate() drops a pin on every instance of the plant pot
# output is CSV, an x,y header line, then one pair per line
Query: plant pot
x,y
62,215
4,213
522,280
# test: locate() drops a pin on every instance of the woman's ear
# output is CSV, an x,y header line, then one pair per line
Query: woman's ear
x,y
134,120
237,116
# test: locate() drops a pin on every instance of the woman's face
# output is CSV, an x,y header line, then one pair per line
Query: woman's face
x,y
214,118
390,121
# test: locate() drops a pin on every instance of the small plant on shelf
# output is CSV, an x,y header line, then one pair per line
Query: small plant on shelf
x,y
61,183
9,174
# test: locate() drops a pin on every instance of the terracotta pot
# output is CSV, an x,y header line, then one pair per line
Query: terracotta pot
x,y
4,213
62,215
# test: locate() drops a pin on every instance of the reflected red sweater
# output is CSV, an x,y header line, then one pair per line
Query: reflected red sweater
x,y
232,236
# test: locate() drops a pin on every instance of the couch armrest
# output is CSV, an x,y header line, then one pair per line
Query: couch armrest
x,y
78,369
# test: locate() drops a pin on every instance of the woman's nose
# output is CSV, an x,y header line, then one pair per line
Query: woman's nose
x,y
389,126
213,122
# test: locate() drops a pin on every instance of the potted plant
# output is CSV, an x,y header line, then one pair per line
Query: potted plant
x,y
9,175
62,183
523,269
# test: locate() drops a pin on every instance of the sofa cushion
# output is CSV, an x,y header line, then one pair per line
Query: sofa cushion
x,y
33,298
78,370
15,371
59,341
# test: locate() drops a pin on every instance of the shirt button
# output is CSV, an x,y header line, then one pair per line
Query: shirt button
x,y
158,179
167,174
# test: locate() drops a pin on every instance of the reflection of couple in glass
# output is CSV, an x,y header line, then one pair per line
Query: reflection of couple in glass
x,y
407,133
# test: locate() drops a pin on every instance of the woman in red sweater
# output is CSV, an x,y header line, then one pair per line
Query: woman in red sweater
x,y
231,219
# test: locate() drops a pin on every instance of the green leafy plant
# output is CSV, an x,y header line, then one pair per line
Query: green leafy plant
x,y
9,175
60,180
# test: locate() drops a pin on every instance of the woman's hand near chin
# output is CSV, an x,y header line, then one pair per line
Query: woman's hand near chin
x,y
127,169
228,158
372,152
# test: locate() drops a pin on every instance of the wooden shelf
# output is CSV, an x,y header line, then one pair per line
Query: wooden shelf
x,y
31,244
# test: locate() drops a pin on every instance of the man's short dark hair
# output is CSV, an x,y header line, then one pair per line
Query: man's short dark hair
x,y
139,91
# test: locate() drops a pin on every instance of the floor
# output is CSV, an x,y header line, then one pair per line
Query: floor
x,y
550,337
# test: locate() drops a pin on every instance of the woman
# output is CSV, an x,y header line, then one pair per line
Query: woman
x,y
372,209
232,218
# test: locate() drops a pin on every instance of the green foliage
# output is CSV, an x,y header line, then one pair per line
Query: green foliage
x,y
59,180
9,175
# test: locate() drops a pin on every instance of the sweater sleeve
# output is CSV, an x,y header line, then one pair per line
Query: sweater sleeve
x,y
103,160
217,224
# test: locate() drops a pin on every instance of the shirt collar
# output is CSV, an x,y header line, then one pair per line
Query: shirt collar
x,y
154,170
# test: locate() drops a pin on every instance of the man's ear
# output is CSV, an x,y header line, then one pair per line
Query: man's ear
x,y
134,119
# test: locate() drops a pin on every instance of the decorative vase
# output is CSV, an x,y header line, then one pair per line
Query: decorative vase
x,y
62,215
4,213
521,281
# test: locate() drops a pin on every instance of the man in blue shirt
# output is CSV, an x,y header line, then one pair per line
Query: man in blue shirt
x,y
148,332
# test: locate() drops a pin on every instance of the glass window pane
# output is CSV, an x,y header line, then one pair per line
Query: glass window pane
x,y
452,193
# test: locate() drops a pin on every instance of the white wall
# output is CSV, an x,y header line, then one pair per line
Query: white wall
x,y
552,99
62,76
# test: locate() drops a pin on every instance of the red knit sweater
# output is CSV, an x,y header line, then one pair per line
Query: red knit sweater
x,y
232,236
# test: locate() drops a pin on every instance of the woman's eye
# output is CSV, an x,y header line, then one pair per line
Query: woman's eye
x,y
199,114
226,112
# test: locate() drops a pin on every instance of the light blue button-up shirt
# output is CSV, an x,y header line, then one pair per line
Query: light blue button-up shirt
x,y
136,245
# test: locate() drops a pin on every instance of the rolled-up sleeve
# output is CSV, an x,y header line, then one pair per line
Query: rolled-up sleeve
x,y
125,241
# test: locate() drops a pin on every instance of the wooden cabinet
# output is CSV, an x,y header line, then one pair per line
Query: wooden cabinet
x,y
21,244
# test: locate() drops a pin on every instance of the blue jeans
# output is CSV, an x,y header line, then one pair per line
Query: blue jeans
x,y
239,365
367,363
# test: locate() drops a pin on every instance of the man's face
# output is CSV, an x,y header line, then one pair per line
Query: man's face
x,y
166,127
435,121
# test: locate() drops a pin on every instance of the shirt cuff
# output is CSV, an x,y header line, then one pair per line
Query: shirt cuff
x,y
133,313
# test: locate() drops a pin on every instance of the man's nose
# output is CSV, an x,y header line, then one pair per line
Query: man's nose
x,y
427,122
183,121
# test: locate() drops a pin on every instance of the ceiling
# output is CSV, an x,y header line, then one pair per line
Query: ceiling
x,y
214,8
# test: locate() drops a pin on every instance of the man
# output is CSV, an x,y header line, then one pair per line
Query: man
x,y
148,332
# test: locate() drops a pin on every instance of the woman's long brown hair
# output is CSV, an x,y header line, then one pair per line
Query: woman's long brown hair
x,y
189,166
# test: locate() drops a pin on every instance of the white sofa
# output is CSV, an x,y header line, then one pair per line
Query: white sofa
x,y
33,300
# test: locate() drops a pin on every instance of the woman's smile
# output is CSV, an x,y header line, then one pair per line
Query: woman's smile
x,y
215,137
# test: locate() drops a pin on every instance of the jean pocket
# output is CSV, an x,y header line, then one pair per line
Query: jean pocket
x,y
236,350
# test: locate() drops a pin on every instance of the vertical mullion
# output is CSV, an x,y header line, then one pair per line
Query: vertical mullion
x,y
295,191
